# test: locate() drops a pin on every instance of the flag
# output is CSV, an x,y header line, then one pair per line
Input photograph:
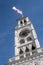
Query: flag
x,y
17,10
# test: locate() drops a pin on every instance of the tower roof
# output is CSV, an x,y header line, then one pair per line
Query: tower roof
x,y
22,18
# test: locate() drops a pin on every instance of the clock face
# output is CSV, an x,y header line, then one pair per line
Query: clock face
x,y
24,32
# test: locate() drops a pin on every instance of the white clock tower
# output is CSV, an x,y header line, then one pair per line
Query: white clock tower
x,y
27,47
25,38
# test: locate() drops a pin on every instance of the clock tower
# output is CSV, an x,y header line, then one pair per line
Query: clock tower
x,y
27,47
25,38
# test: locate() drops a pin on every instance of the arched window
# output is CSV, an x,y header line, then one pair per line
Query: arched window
x,y
29,39
33,48
21,23
25,22
27,51
22,41
21,52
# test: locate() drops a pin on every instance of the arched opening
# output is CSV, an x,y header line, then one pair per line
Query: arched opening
x,y
33,48
21,23
27,51
21,53
22,41
25,22
29,39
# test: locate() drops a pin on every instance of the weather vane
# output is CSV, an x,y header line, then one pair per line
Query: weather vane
x,y
17,10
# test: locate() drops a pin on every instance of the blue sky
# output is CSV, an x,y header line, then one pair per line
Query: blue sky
x,y
31,8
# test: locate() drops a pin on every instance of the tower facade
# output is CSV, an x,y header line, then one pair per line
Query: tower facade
x,y
27,47
25,38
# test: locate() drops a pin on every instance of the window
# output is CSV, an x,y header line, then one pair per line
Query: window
x,y
21,23
22,41
25,22
33,47
21,52
27,52
29,39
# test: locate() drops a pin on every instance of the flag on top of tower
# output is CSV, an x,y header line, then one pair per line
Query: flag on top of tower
x,y
17,10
